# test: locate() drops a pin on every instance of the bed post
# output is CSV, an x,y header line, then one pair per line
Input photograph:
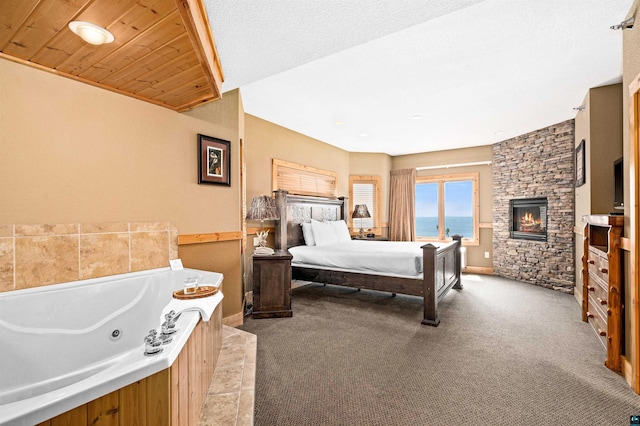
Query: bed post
x,y
458,284
429,253
281,224
344,209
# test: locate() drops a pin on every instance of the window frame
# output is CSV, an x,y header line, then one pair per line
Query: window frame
x,y
376,181
441,180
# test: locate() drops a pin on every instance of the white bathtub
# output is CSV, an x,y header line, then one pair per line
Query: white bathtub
x,y
57,349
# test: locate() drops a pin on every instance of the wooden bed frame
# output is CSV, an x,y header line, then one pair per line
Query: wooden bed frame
x,y
441,266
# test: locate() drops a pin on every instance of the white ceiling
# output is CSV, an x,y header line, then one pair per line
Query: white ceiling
x,y
407,76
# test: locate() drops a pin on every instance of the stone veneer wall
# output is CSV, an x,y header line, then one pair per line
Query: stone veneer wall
x,y
37,255
537,164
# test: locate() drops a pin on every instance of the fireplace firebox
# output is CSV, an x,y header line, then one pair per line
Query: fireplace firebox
x,y
529,219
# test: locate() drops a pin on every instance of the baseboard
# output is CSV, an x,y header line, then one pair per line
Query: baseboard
x,y
478,270
233,320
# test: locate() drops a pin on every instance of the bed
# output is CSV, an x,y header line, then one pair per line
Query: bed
x,y
426,270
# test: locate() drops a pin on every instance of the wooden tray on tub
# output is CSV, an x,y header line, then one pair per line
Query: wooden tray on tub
x,y
204,291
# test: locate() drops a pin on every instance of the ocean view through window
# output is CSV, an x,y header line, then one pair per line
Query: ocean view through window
x,y
446,206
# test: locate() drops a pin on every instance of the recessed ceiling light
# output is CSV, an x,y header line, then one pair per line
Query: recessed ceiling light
x,y
364,135
91,33
338,123
416,117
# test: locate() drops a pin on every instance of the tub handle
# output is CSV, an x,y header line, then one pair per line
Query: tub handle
x,y
169,325
152,343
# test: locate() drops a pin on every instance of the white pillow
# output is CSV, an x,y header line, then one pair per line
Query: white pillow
x,y
323,233
307,234
341,230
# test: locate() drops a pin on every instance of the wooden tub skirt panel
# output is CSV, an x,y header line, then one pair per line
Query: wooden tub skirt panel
x,y
174,396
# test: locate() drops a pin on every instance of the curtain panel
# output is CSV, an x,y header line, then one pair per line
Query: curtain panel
x,y
402,210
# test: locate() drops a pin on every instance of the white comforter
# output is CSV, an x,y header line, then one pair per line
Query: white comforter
x,y
379,257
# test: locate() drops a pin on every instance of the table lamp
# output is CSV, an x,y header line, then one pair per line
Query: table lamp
x,y
361,212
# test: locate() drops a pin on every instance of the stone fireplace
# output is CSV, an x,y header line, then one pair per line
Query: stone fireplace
x,y
529,218
533,241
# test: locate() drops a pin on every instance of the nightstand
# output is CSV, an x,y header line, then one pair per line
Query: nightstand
x,y
272,285
376,238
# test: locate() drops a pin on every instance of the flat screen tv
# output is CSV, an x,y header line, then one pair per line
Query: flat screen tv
x,y
618,184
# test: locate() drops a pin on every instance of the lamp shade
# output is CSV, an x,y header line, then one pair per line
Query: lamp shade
x,y
263,207
360,212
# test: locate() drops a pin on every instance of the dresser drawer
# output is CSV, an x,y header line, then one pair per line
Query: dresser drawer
x,y
598,264
598,322
598,290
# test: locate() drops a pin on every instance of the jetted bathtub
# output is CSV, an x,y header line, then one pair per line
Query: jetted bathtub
x,y
64,345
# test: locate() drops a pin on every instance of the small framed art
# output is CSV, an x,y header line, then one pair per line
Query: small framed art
x,y
214,161
580,164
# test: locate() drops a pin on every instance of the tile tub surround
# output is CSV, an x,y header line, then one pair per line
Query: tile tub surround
x,y
230,399
537,164
37,255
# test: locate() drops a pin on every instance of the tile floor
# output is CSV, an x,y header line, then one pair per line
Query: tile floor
x,y
230,399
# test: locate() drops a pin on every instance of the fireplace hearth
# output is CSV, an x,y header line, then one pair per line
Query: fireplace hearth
x,y
529,219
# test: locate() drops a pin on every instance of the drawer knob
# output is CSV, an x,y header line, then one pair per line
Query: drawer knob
x,y
603,270
602,333
589,314
591,262
601,301
591,288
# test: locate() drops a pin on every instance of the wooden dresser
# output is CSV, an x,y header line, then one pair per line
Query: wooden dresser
x,y
602,293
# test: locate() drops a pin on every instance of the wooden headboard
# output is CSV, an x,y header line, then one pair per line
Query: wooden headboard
x,y
301,209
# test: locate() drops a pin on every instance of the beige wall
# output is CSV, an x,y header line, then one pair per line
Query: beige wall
x,y
475,254
606,135
374,164
73,153
600,126
265,141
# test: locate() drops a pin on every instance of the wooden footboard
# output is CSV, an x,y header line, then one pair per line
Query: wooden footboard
x,y
441,273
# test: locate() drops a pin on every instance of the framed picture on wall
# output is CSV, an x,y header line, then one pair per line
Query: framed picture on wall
x,y
214,161
580,164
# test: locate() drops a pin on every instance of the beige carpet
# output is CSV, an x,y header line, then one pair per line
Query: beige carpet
x,y
505,353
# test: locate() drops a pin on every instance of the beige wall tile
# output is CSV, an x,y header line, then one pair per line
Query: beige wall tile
x,y
173,243
103,254
6,230
36,230
6,264
149,250
149,226
99,228
46,260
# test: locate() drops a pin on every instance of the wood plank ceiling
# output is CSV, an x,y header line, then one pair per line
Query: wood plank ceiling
x,y
163,50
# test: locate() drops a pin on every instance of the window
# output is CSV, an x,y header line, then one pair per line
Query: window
x,y
446,206
303,180
365,190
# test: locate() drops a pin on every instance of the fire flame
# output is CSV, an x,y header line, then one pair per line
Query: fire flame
x,y
528,223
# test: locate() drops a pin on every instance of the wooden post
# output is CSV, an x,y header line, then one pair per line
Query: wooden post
x,y
344,209
458,238
429,254
281,224
585,271
615,333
